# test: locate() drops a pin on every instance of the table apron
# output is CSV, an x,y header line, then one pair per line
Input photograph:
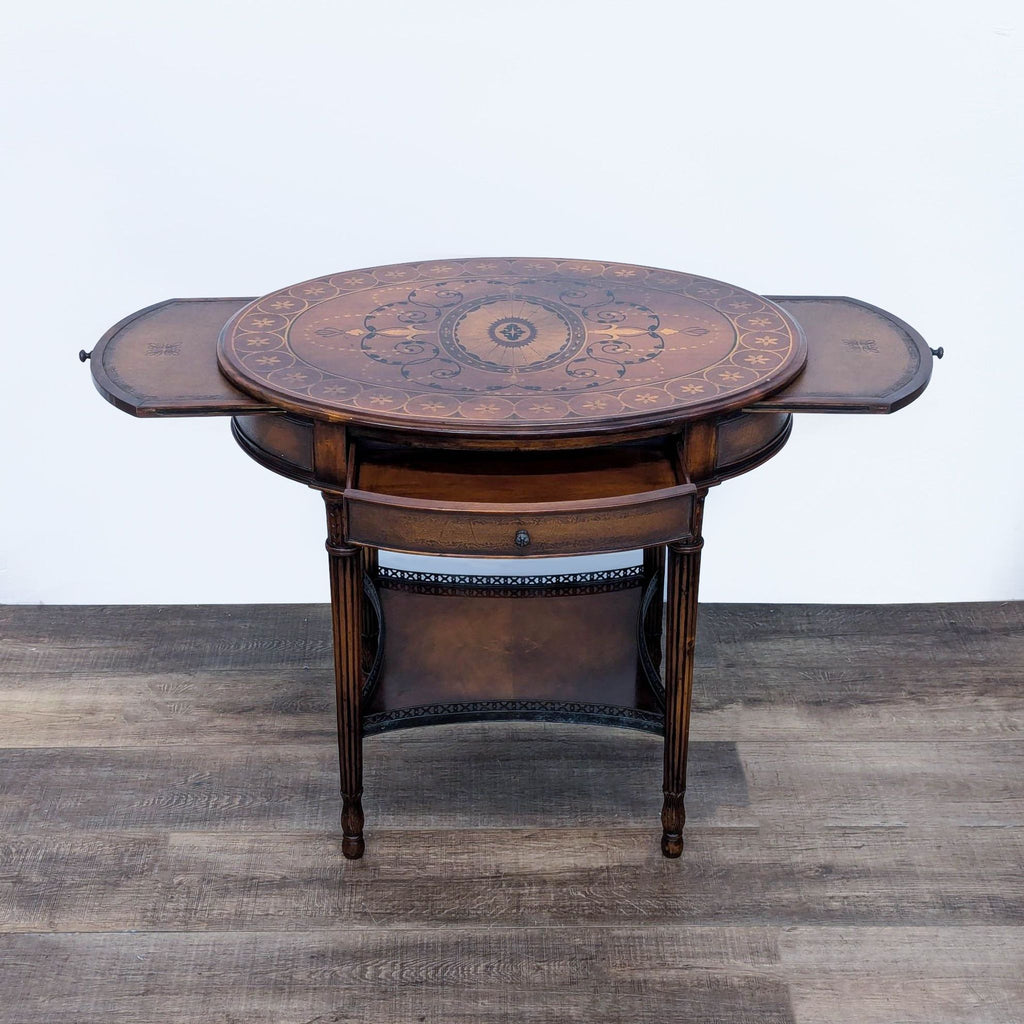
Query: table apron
x,y
477,529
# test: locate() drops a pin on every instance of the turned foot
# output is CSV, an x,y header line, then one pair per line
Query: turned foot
x,y
673,817
671,845
352,847
352,844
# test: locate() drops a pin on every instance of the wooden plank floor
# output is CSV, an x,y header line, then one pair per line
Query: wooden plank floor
x,y
855,842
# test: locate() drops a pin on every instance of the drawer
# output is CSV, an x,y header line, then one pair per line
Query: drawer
x,y
572,502
529,529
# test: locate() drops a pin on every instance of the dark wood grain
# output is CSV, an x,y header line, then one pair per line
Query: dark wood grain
x,y
527,504
517,476
522,530
265,879
682,571
161,639
403,976
763,672
169,846
346,570
731,974
293,786
568,645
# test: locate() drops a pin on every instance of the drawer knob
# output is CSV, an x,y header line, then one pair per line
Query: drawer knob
x,y
522,539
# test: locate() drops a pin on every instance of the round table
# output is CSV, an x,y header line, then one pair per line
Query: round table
x,y
512,407
510,348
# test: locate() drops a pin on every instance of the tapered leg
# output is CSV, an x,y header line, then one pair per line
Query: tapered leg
x,y
346,567
680,636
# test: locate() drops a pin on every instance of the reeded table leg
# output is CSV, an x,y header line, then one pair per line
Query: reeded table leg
x,y
680,638
346,567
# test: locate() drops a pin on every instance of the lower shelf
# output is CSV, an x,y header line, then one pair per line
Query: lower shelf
x,y
537,648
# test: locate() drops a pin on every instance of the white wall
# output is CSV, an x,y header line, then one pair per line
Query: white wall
x,y
212,148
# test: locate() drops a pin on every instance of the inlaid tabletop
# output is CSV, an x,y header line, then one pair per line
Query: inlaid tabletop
x,y
511,345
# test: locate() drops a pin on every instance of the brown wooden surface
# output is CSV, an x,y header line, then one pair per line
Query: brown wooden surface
x,y
281,442
473,350
523,530
347,621
516,477
859,359
526,504
446,644
162,361
168,808
511,346
682,572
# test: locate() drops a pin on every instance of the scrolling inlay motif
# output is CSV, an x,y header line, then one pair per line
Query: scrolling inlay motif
x,y
506,340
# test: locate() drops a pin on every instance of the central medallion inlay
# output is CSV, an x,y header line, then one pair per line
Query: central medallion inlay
x,y
511,344
515,332
512,333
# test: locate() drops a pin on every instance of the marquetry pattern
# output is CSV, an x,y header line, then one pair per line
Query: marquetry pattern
x,y
507,342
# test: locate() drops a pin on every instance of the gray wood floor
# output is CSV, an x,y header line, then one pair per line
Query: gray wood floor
x,y
855,843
